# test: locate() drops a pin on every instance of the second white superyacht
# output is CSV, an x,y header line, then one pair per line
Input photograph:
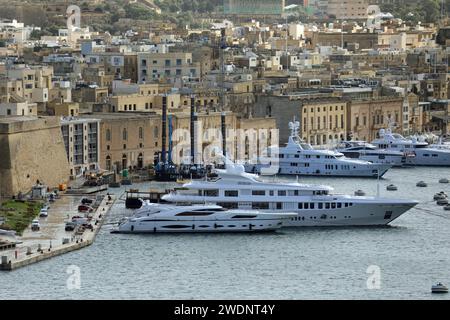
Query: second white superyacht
x,y
300,158
316,206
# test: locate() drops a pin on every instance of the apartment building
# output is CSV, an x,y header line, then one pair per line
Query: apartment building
x,y
166,66
349,9
81,139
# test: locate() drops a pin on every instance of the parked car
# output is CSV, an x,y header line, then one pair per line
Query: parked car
x,y
85,208
43,213
79,220
35,225
87,201
70,226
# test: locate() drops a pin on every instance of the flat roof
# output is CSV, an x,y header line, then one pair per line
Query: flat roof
x,y
15,119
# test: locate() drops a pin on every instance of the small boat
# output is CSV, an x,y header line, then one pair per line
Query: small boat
x,y
440,196
391,187
422,184
444,180
360,193
447,207
442,202
439,288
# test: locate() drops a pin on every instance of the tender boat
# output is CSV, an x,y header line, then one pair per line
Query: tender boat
x,y
365,151
300,158
439,288
417,153
421,184
315,205
160,218
391,187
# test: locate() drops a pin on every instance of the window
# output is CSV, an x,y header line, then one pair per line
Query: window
x,y
124,134
320,205
231,193
279,205
194,213
228,205
260,205
212,193
300,205
281,193
258,193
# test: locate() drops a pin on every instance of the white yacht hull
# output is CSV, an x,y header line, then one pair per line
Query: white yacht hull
x,y
326,212
395,161
359,215
201,226
430,158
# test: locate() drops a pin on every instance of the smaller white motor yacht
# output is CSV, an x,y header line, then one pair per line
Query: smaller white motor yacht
x,y
362,150
162,218
424,154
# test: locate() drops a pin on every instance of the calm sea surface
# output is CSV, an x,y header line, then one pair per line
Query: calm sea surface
x,y
412,254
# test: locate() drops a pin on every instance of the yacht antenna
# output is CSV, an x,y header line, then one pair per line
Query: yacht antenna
x,y
295,127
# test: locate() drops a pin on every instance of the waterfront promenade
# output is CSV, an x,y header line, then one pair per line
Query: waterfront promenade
x,y
52,240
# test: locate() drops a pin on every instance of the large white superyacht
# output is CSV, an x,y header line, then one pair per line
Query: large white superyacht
x,y
422,153
316,206
301,159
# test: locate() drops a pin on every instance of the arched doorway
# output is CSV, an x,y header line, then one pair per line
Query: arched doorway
x,y
140,162
247,148
108,163
124,161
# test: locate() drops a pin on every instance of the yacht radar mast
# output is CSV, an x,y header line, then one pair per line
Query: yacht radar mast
x,y
295,127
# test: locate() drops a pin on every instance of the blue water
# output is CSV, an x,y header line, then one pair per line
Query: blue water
x,y
300,263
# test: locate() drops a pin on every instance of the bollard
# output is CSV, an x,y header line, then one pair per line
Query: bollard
x,y
15,254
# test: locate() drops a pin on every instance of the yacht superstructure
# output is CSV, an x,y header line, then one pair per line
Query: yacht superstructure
x,y
314,205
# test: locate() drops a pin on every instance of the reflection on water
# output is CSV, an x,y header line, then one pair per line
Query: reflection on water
x,y
294,263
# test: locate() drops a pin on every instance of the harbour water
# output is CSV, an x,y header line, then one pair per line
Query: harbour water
x,y
411,255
